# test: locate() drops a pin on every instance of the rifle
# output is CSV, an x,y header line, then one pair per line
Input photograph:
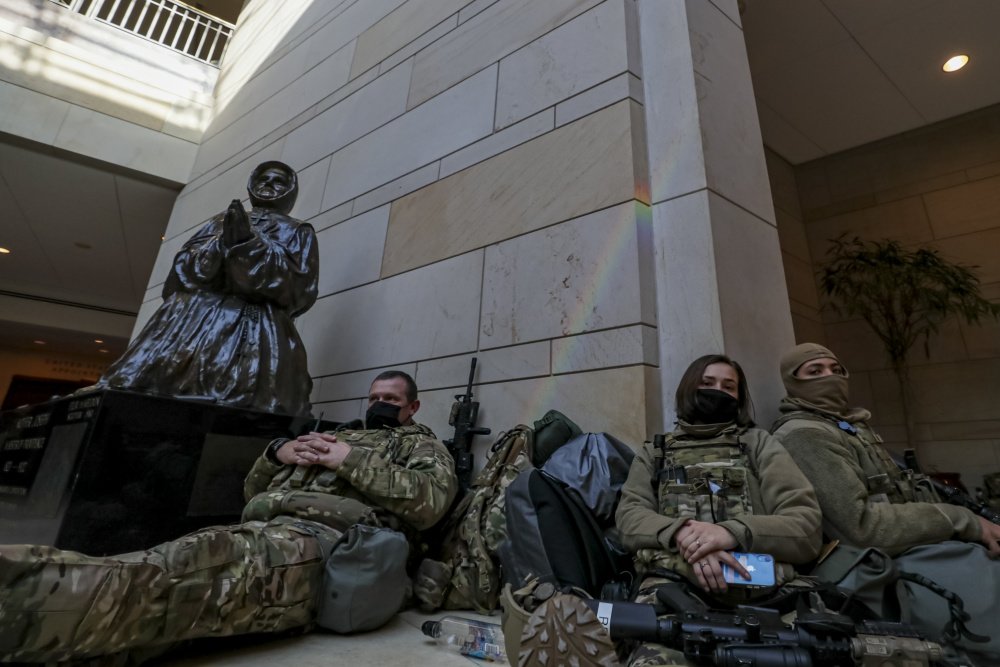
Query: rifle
x,y
464,412
947,493
757,637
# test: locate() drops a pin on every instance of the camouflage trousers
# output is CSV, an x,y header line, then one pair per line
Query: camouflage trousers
x,y
650,654
253,577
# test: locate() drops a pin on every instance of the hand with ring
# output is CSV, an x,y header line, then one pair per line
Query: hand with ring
x,y
709,571
697,539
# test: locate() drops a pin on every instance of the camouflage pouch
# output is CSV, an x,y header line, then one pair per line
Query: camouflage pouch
x,y
474,530
336,512
431,583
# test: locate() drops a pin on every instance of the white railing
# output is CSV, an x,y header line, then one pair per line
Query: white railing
x,y
172,24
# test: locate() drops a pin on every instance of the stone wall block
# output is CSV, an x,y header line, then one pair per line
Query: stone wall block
x,y
451,120
430,312
569,172
577,55
567,279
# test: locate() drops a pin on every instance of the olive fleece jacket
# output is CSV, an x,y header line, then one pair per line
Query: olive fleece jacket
x,y
786,518
832,463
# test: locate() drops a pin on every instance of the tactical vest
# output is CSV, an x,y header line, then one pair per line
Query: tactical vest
x,y
706,479
317,493
885,481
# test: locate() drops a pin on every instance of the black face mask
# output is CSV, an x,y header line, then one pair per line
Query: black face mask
x,y
382,415
712,406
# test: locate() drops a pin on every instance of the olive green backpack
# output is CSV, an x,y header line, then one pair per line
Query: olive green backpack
x,y
466,573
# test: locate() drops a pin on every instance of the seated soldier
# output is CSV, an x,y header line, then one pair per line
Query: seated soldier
x,y
867,501
716,486
262,575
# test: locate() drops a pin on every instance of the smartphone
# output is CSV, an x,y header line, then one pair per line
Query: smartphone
x,y
760,567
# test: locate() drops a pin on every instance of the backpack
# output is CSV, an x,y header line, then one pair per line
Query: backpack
x,y
466,574
560,530
560,518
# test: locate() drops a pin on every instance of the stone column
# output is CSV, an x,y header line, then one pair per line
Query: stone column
x,y
718,275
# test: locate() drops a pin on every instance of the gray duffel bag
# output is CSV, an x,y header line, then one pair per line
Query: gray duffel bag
x,y
364,582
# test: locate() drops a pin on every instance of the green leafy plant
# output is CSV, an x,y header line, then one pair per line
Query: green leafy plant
x,y
904,296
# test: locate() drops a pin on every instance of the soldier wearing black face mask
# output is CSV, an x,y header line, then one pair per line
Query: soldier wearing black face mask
x,y
376,465
712,486
382,415
302,495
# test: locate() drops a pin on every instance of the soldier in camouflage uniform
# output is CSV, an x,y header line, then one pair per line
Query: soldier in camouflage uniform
x,y
868,501
260,576
716,485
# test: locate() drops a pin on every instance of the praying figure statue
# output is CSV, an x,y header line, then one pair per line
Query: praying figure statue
x,y
225,330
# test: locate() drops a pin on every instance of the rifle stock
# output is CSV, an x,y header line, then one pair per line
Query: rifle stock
x,y
464,412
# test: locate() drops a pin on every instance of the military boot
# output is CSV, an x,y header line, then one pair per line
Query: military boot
x,y
559,631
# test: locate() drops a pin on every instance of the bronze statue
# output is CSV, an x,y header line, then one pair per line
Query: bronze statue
x,y
225,329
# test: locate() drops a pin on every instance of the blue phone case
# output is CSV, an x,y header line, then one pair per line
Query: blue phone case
x,y
760,566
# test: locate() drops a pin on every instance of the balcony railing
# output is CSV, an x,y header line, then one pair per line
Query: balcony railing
x,y
172,24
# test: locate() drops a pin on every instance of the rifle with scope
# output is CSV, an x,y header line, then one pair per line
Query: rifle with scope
x,y
464,412
757,637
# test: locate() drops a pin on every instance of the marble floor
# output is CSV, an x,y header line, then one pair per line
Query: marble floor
x,y
400,643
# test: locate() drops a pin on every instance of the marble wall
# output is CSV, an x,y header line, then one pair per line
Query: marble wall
x,y
803,292
64,83
937,187
476,172
718,277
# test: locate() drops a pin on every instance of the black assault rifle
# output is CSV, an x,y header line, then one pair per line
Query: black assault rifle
x,y
948,493
464,412
757,637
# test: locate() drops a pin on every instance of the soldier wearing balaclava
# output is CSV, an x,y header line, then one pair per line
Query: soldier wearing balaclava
x,y
867,501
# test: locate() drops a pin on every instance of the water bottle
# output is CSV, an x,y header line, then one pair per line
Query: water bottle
x,y
476,639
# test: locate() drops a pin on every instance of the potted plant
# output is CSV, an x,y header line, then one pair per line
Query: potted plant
x,y
904,296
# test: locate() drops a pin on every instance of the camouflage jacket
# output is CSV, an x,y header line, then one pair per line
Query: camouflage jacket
x,y
852,473
782,517
403,478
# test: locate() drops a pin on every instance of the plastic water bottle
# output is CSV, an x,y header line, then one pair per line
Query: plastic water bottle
x,y
476,639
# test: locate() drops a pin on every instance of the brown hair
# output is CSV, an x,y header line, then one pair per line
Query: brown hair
x,y
687,389
411,386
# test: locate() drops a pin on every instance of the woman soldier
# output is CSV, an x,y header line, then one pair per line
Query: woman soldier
x,y
713,486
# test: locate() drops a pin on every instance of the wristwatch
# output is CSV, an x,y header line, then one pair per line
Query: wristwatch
x,y
271,451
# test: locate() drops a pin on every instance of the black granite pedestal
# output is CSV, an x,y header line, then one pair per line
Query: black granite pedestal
x,y
111,471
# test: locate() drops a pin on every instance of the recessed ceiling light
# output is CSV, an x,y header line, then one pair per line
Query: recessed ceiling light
x,y
39,342
955,63
4,251
102,350
98,341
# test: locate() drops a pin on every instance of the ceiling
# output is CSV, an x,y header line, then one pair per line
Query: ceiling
x,y
834,74
85,235
829,75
